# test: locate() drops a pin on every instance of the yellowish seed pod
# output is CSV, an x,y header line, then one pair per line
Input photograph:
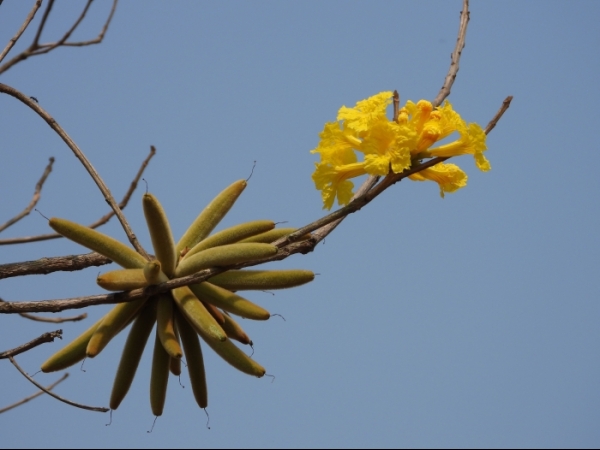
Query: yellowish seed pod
x,y
228,301
152,272
223,256
159,378
237,358
261,280
194,359
232,235
270,236
112,324
210,217
215,312
235,331
197,315
132,353
101,243
160,232
71,353
166,327
122,280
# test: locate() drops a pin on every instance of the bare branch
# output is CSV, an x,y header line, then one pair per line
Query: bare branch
x,y
455,57
36,197
104,219
25,24
37,394
51,319
46,337
52,394
82,158
505,105
45,266
39,49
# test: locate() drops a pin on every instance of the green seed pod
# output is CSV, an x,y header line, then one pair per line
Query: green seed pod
x,y
152,272
234,331
237,358
112,324
101,243
232,235
71,353
160,232
270,236
132,353
210,217
194,359
122,280
166,327
228,301
159,378
262,280
198,316
223,256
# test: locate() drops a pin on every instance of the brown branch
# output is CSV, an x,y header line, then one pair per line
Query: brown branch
x,y
25,24
36,48
37,394
45,266
52,394
46,337
82,158
51,319
36,197
104,219
455,57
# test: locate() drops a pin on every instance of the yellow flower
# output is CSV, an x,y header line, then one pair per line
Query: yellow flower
x,y
449,177
365,112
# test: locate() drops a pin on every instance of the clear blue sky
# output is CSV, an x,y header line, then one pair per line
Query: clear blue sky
x,y
469,321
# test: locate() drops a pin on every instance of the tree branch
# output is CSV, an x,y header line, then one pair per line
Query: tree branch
x,y
37,394
46,337
36,197
24,26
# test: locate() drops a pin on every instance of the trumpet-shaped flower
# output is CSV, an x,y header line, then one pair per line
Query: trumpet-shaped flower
x,y
449,177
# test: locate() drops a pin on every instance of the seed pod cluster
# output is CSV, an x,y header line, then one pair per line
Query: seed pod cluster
x,y
182,315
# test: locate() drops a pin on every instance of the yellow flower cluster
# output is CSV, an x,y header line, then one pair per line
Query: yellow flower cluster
x,y
393,145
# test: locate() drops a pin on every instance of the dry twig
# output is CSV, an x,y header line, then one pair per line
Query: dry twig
x,y
37,394
104,219
24,26
36,48
36,197
46,337
45,266
51,319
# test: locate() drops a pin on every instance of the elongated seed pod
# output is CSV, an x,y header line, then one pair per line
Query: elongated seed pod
x,y
237,358
210,217
175,366
101,243
132,352
195,312
160,232
270,236
71,353
193,356
152,272
232,235
261,280
166,327
215,312
234,331
113,322
228,301
122,280
159,378
224,255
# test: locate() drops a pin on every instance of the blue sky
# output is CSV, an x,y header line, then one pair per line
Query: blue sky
x,y
464,322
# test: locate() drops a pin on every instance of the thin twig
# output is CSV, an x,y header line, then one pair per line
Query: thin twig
x,y
51,319
287,246
36,197
37,394
52,394
46,337
36,48
83,159
25,24
455,57
104,219
45,266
